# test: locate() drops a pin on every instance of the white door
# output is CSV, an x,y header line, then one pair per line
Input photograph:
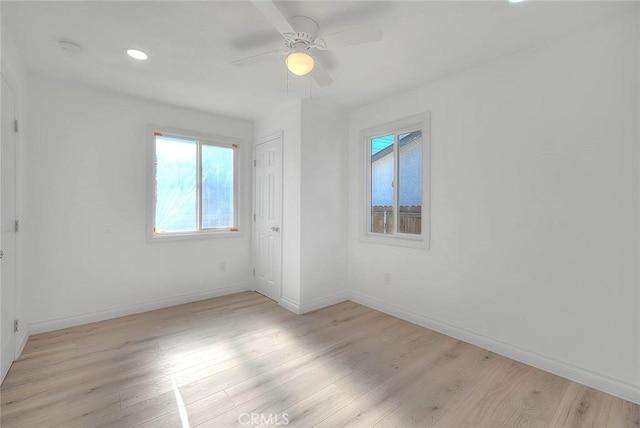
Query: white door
x,y
8,232
267,243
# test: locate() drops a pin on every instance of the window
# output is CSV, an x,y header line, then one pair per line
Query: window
x,y
193,185
396,183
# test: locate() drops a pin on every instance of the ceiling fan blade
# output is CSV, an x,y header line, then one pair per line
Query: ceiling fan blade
x,y
356,36
320,75
253,59
274,16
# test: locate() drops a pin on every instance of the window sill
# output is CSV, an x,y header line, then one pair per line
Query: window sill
x,y
171,237
418,242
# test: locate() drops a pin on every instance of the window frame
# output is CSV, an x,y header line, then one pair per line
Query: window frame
x,y
420,122
202,139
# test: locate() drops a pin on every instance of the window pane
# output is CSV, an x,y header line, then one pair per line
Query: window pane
x,y
217,187
410,183
176,171
382,184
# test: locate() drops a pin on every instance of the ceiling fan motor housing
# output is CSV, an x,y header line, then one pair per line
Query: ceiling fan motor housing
x,y
306,32
300,47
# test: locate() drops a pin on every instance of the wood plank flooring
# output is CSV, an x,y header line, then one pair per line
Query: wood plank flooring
x,y
242,360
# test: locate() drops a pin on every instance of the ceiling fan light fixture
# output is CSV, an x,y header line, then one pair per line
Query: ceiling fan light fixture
x,y
300,63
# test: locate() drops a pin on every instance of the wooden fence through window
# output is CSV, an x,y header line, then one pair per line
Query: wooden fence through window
x,y
410,219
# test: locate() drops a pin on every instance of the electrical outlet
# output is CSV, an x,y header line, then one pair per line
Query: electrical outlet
x,y
222,266
387,278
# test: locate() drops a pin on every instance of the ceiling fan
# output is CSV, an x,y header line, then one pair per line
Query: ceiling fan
x,y
301,37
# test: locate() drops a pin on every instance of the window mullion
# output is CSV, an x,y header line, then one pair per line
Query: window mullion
x,y
199,187
369,186
396,164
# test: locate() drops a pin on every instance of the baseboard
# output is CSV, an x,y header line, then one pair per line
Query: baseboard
x,y
572,372
89,317
21,340
302,308
323,302
290,305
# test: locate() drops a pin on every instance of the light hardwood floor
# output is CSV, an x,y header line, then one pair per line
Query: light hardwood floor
x,y
241,360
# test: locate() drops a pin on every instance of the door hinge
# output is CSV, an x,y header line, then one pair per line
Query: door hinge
x,y
254,217
254,163
254,271
16,326
16,226
15,125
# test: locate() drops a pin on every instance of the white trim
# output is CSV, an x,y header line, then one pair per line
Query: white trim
x,y
423,121
407,241
290,304
268,138
203,138
89,317
6,73
315,304
21,340
323,302
224,233
605,383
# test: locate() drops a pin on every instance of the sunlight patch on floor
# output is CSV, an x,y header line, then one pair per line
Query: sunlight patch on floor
x,y
182,410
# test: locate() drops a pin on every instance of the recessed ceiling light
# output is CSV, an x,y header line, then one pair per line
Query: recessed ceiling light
x,y
516,1
137,54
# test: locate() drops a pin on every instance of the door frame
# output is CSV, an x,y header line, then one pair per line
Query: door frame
x,y
19,340
265,139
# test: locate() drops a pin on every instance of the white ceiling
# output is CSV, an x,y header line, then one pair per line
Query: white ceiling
x,y
192,44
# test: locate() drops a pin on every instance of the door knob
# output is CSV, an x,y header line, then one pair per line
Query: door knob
x,y
275,228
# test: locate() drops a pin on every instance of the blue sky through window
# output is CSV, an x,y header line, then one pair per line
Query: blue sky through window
x,y
381,143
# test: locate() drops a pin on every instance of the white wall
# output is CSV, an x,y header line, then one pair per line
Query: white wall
x,y
314,247
324,198
85,211
14,72
534,209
